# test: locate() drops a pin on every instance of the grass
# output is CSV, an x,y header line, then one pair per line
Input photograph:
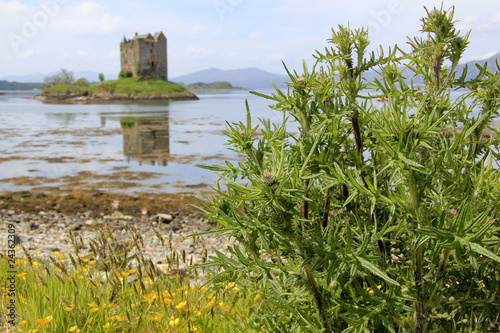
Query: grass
x,y
64,88
115,289
126,85
147,88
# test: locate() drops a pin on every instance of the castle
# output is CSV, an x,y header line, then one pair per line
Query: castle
x,y
145,56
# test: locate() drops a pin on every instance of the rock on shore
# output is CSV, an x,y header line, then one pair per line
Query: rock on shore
x,y
48,232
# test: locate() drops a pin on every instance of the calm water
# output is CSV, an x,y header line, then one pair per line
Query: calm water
x,y
46,144
54,141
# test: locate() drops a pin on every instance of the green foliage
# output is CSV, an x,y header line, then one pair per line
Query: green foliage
x,y
64,77
82,82
101,77
125,74
63,88
137,68
147,88
211,86
373,217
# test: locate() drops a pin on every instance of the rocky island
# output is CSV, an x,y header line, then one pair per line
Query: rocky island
x,y
122,90
143,78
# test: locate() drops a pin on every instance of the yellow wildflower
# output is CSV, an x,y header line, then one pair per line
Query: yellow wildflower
x,y
36,264
89,320
132,306
23,322
224,306
229,286
92,262
371,291
44,321
174,322
54,253
79,277
36,253
257,297
85,269
211,303
157,317
72,329
94,310
128,272
108,325
22,275
181,305
20,261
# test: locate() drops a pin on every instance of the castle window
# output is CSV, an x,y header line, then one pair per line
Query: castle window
x,y
151,51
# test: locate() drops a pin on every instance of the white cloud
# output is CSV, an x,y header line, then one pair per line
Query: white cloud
x,y
87,18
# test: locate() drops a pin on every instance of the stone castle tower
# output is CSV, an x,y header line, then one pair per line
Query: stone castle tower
x,y
145,56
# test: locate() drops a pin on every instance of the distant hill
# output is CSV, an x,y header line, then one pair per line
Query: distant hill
x,y
251,78
6,85
218,85
472,70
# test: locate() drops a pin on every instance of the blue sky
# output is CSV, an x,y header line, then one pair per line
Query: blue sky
x,y
45,36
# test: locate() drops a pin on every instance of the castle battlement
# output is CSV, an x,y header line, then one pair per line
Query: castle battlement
x,y
145,55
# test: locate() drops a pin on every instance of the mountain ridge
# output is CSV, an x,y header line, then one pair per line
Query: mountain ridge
x,y
250,78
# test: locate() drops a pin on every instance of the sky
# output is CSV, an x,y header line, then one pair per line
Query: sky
x,y
84,35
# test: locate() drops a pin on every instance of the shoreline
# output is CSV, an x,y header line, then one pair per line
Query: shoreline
x,y
44,219
102,98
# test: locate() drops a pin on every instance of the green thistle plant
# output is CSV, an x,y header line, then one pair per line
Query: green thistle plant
x,y
372,218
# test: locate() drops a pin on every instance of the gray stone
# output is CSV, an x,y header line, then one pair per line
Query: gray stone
x,y
164,218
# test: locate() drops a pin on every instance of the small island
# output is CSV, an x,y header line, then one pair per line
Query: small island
x,y
143,77
218,85
122,90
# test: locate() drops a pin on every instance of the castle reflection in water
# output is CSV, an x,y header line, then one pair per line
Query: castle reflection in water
x,y
146,139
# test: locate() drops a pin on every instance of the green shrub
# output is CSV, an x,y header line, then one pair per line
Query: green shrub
x,y
124,74
373,217
82,82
